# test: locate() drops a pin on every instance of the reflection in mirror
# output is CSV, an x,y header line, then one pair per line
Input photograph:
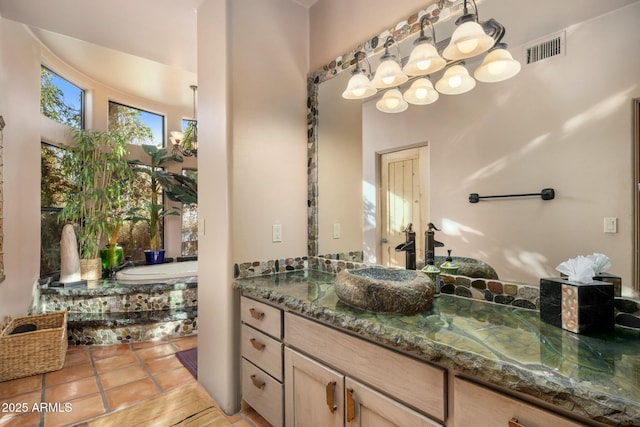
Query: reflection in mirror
x,y
541,129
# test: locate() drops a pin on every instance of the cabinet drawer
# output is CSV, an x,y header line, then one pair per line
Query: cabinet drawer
x,y
403,378
262,392
475,405
262,351
261,316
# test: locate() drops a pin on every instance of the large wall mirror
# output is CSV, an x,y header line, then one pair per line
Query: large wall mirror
x,y
554,125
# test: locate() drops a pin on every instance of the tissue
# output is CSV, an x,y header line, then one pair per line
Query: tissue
x,y
601,263
579,269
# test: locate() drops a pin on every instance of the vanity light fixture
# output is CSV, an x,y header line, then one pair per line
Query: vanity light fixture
x,y
186,143
424,58
421,92
359,85
392,102
469,39
497,66
389,74
456,80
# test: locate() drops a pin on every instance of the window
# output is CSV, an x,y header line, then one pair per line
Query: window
x,y
53,190
190,222
138,126
61,100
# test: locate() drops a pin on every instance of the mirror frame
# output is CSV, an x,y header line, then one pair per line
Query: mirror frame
x,y
373,46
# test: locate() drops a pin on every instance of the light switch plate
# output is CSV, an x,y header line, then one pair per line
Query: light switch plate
x,y
336,231
276,233
610,225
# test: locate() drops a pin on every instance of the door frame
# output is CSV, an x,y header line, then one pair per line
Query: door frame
x,y
380,198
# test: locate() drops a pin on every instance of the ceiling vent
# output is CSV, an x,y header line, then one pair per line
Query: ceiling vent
x,y
545,48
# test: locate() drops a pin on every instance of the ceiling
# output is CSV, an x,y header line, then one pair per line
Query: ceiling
x,y
148,47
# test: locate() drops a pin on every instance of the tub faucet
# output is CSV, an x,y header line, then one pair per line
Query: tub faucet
x,y
430,243
114,270
409,247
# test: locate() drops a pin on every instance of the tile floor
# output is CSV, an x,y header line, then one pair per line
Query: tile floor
x,y
97,380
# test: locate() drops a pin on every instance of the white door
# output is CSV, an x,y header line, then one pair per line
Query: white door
x,y
403,185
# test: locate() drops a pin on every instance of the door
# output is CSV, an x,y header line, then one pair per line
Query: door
x,y
313,393
368,408
403,201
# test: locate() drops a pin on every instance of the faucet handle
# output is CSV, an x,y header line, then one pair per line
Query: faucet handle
x,y
433,227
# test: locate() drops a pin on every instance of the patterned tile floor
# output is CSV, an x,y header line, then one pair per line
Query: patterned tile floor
x,y
97,380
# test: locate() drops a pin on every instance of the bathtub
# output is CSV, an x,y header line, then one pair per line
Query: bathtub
x,y
158,272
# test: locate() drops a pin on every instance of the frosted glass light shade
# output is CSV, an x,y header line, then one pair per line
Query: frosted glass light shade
x,y
176,137
359,87
424,59
468,40
392,102
456,80
388,74
421,92
497,66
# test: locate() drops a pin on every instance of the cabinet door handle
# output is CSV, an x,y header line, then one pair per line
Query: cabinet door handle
x,y
513,422
257,383
331,396
258,315
257,345
351,405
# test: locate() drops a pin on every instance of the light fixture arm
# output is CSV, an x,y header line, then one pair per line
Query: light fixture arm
x,y
422,38
359,57
466,16
388,55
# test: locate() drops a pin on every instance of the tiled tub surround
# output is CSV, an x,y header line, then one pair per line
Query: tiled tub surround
x,y
107,312
591,376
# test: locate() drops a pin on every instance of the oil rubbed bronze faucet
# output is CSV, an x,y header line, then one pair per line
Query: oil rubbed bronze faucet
x,y
409,247
430,243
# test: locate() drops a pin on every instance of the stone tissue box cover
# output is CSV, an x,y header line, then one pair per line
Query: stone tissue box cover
x,y
577,307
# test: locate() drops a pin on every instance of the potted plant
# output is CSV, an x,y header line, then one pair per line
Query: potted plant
x,y
154,211
98,168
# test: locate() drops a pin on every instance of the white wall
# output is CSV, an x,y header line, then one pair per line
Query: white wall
x,y
565,123
20,95
269,43
252,171
25,128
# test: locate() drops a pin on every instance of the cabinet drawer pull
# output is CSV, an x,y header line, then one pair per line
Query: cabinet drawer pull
x,y
258,315
331,396
351,405
257,383
257,345
513,422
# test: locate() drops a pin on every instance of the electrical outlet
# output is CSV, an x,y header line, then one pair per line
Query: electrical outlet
x,y
611,225
336,231
276,233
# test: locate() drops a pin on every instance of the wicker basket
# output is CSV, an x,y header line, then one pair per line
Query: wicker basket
x,y
36,352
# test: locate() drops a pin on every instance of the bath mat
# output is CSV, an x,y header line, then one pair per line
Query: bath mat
x,y
189,358
189,405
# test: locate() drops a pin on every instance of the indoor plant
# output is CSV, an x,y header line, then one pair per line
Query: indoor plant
x,y
98,169
154,211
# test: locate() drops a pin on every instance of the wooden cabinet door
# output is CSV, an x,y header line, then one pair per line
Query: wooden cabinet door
x,y
368,408
313,393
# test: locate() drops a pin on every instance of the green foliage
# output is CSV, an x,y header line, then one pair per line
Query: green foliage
x,y
190,136
127,122
154,211
52,103
98,168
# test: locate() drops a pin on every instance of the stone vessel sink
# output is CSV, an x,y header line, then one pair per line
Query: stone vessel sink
x,y
385,290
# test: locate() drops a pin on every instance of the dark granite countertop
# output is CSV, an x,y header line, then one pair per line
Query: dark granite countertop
x,y
111,287
596,376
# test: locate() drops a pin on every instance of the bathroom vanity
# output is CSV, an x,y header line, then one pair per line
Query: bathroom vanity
x,y
461,363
